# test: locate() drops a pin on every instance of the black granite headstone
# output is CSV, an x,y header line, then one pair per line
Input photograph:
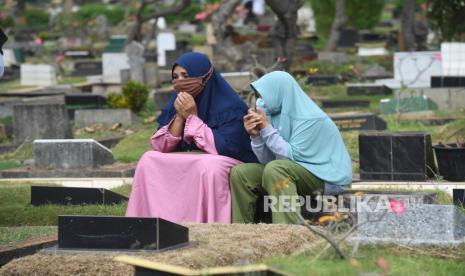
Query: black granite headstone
x,y
85,99
447,81
344,103
395,156
356,89
73,195
372,37
323,79
348,38
358,121
130,233
87,68
459,196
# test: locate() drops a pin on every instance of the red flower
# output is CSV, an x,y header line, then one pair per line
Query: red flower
x,y
397,206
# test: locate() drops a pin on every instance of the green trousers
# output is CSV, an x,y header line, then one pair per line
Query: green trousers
x,y
248,181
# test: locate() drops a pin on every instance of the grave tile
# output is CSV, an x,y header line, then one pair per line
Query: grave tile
x,y
106,232
423,224
74,195
396,156
367,89
358,121
70,154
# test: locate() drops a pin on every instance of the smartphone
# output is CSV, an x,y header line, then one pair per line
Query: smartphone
x,y
257,95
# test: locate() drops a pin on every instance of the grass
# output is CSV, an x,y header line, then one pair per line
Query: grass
x,y
401,261
131,148
5,165
15,208
23,152
9,235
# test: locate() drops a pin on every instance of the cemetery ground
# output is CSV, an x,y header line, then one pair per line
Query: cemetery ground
x,y
290,248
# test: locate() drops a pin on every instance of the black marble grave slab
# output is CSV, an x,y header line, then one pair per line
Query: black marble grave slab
x,y
323,79
395,156
371,37
358,121
87,68
85,99
344,103
73,195
447,81
356,89
459,196
348,37
109,232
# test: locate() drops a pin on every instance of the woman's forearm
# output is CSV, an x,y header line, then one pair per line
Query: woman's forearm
x,y
177,126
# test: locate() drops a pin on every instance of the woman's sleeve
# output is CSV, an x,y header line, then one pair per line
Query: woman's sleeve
x,y
274,142
196,130
263,153
163,140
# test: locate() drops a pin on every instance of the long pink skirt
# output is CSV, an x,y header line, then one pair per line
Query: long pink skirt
x,y
182,187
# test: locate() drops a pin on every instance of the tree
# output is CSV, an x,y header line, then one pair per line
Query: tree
x,y
408,22
219,18
285,30
339,22
140,18
447,18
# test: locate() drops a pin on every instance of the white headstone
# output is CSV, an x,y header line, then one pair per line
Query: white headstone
x,y
165,41
306,19
414,69
453,58
113,63
365,52
38,75
9,57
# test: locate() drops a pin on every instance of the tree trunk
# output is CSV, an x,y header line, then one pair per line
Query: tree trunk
x,y
135,32
408,21
68,6
340,19
219,18
285,30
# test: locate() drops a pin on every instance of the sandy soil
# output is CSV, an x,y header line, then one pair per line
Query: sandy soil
x,y
219,245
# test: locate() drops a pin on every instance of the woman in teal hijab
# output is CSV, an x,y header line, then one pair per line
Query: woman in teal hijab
x,y
299,148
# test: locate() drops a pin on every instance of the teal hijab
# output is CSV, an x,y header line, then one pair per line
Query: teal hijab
x,y
313,138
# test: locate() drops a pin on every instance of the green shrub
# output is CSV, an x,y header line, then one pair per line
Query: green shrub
x,y
114,14
136,95
361,14
115,100
36,18
7,21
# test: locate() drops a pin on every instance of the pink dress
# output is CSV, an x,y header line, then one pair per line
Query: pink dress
x,y
183,186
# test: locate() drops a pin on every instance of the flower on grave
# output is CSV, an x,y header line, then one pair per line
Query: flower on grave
x,y
334,218
397,206
312,70
383,264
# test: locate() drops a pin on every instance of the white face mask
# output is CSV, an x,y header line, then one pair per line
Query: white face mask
x,y
1,65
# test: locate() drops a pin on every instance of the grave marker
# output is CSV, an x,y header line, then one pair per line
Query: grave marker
x,y
358,121
70,154
396,156
41,195
130,233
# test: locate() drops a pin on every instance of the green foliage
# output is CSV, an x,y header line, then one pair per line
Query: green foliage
x,y
114,13
364,14
324,12
36,18
447,17
188,14
7,21
115,100
136,95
